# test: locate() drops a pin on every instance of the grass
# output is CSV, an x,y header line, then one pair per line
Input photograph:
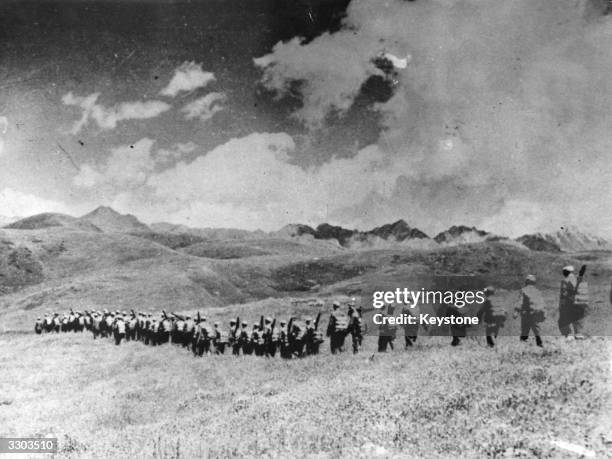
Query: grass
x,y
432,401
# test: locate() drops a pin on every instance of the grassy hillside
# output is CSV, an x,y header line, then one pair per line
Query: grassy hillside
x,y
435,401
135,401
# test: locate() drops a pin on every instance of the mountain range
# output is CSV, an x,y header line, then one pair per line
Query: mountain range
x,y
106,220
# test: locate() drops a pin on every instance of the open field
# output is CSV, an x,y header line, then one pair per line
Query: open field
x,y
432,401
101,400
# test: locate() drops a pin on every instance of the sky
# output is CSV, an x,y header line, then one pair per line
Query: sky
x,y
258,113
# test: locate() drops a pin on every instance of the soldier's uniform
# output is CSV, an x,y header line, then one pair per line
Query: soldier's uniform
x,y
355,326
386,333
573,303
244,339
257,340
285,347
270,337
411,331
492,315
233,338
313,338
189,332
119,330
297,339
38,326
337,329
221,340
531,310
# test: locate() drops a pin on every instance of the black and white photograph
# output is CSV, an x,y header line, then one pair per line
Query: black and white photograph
x,y
306,229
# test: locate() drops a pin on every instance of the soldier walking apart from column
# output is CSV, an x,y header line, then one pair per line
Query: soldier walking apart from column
x,y
573,303
493,316
411,331
531,310
355,326
386,332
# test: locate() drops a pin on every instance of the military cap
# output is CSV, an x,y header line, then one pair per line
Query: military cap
x,y
308,319
568,268
269,319
244,324
335,304
283,321
216,324
232,321
530,278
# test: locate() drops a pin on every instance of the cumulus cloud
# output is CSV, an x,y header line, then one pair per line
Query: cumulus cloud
x,y
187,77
330,71
108,117
14,203
128,166
205,107
501,110
251,182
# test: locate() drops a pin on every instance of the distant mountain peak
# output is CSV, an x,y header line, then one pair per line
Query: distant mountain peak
x,y
103,210
458,234
109,220
567,239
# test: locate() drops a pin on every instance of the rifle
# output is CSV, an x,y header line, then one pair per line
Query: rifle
x,y
198,317
165,315
133,313
237,325
316,324
261,323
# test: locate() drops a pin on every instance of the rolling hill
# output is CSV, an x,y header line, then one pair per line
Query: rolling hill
x,y
50,220
108,220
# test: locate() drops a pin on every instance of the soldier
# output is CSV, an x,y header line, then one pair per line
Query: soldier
x,y
108,324
234,336
296,338
493,316
285,348
270,337
386,332
177,323
147,328
38,326
257,340
313,337
411,331
57,323
355,326
119,329
132,325
203,337
244,339
337,329
221,339
87,321
573,303
48,323
531,310
188,332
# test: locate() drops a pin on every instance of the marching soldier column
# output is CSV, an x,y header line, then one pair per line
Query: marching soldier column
x,y
299,338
